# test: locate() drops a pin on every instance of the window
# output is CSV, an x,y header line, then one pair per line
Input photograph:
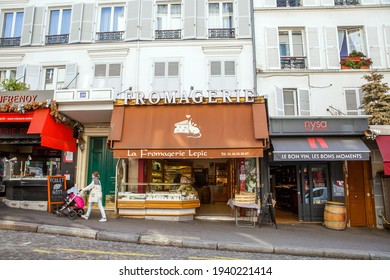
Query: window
x,y
289,3
59,26
112,23
166,76
108,76
353,100
168,21
292,102
291,49
7,74
12,29
221,20
350,39
54,77
223,75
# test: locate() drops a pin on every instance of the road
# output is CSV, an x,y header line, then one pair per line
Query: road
x,y
19,245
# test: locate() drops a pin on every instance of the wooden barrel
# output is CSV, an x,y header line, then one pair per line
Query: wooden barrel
x,y
335,215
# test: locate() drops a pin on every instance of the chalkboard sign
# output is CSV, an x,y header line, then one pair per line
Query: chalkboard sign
x,y
267,210
55,186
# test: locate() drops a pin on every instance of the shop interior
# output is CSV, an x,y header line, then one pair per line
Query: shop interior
x,y
212,179
284,190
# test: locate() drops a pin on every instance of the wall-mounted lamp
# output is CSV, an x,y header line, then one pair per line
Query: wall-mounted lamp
x,y
371,133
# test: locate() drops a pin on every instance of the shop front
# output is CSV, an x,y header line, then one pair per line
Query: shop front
x,y
210,144
34,144
320,160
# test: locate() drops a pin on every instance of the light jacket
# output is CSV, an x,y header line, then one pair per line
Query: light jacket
x,y
95,188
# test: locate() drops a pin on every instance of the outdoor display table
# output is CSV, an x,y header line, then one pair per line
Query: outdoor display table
x,y
250,217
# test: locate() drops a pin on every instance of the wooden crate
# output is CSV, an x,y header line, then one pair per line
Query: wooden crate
x,y
245,198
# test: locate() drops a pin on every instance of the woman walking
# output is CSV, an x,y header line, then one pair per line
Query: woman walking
x,y
95,196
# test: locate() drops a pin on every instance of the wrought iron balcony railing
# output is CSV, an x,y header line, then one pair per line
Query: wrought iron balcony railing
x,y
9,42
168,34
110,36
288,3
293,62
57,39
222,33
346,2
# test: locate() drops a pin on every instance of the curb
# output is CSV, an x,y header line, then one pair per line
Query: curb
x,y
167,240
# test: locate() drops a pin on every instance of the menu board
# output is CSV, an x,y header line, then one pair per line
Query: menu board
x,y
55,186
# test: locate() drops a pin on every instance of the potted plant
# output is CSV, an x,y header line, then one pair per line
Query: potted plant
x,y
356,60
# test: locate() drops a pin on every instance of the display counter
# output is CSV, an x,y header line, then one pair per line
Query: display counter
x,y
26,188
161,201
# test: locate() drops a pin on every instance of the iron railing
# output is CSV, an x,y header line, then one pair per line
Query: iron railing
x,y
57,39
9,42
222,33
110,36
293,62
288,3
346,2
168,34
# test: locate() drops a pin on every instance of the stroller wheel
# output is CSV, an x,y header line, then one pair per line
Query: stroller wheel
x,y
72,215
80,212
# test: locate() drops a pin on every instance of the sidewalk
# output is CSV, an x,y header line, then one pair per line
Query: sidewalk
x,y
296,239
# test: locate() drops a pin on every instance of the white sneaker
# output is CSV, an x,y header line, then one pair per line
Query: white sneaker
x,y
103,220
84,217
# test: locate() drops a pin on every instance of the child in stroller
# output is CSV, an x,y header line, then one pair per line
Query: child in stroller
x,y
73,204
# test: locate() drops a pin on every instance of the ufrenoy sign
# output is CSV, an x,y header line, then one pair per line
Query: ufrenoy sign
x,y
192,97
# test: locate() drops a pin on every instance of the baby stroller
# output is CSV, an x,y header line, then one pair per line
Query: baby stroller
x,y
73,205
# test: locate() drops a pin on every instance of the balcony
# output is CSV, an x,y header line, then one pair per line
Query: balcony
x,y
10,42
221,33
168,34
293,62
57,39
110,36
346,2
289,3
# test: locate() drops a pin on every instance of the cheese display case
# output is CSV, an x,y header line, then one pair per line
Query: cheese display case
x,y
161,201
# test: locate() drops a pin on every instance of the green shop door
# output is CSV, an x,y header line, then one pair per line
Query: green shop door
x,y
101,159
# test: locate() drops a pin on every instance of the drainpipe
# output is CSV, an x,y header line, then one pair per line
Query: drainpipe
x,y
263,184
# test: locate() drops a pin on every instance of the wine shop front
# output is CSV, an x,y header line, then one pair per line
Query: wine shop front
x,y
177,160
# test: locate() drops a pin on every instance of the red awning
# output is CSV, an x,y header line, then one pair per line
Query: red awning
x,y
53,135
16,117
384,146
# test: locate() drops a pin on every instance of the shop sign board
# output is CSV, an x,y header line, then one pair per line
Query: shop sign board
x,y
327,156
55,186
189,153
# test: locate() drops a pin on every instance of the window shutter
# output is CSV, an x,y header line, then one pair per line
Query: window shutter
x,y
216,68
173,69
387,44
70,76
273,61
279,102
114,70
314,48
27,25
230,68
37,34
159,69
269,3
132,20
75,25
100,70
114,80
304,102
351,102
87,28
243,19
146,20
201,25
332,49
32,76
189,31
20,73
374,51
1,23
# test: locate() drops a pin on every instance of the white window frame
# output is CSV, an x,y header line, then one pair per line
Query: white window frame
x,y
7,73
56,75
121,24
167,82
108,80
346,31
221,15
13,23
223,77
167,19
358,96
61,11
298,101
291,44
